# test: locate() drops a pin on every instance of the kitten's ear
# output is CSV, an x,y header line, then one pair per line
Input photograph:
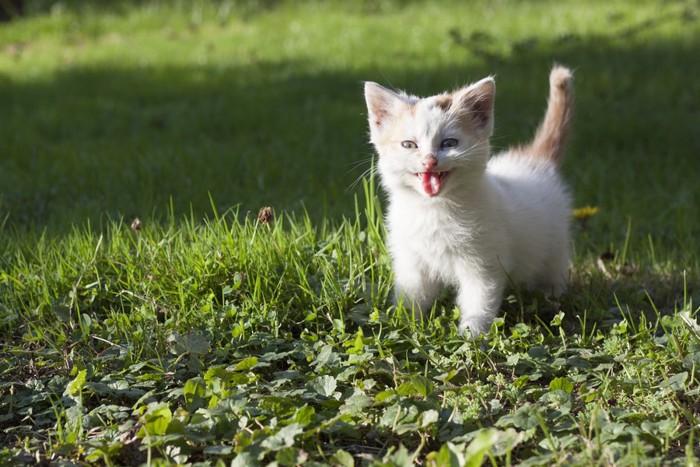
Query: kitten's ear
x,y
474,104
381,105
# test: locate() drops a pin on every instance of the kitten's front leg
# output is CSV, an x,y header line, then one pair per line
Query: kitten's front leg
x,y
478,298
412,287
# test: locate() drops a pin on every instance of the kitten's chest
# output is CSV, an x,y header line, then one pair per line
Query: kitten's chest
x,y
437,238
429,229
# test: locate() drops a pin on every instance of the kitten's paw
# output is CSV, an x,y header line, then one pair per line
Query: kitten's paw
x,y
473,328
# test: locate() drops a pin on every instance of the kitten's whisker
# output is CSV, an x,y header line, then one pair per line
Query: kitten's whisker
x,y
359,163
497,148
371,171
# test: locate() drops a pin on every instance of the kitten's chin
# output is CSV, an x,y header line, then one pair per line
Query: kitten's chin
x,y
433,183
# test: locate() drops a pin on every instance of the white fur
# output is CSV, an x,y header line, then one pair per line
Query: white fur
x,y
496,220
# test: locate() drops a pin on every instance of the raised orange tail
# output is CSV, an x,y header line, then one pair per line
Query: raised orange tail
x,y
553,133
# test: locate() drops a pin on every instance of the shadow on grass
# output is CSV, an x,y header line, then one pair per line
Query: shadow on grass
x,y
39,7
105,143
246,8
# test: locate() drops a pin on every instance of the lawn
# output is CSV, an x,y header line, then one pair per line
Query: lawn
x,y
150,314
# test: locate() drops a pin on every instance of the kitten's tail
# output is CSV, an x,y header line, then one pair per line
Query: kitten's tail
x,y
553,133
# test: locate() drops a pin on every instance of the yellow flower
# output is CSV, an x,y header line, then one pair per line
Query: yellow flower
x,y
585,212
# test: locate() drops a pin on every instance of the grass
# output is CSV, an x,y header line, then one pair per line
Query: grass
x,y
209,335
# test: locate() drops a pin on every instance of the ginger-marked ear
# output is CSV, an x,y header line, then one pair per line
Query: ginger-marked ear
x,y
474,104
381,105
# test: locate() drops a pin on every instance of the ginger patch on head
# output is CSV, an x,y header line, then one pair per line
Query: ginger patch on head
x,y
444,102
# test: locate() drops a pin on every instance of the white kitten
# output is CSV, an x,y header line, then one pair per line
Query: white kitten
x,y
459,218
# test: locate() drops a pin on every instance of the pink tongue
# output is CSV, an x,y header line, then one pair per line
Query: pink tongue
x,y
431,183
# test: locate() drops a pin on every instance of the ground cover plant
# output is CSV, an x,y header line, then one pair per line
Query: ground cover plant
x,y
151,313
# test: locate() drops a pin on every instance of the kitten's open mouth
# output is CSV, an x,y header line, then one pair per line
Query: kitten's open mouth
x,y
432,181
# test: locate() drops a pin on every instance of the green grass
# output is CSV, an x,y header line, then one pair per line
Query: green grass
x,y
209,336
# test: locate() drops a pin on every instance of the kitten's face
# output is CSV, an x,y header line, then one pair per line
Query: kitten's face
x,y
432,145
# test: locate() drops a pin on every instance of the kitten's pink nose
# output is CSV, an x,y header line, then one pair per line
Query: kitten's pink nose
x,y
429,161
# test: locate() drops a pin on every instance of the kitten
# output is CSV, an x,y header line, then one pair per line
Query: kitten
x,y
457,217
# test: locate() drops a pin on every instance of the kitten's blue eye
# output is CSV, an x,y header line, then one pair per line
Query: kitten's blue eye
x,y
409,144
448,143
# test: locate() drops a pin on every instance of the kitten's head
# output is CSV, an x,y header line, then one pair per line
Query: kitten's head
x,y
431,145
